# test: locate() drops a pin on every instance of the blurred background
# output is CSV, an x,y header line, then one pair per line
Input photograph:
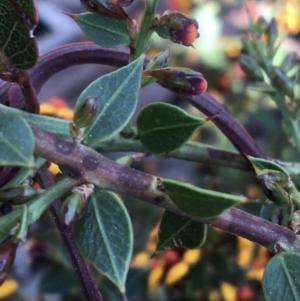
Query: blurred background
x,y
226,268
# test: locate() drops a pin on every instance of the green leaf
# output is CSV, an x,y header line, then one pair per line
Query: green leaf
x,y
104,31
116,95
104,236
16,140
199,202
53,125
34,208
163,128
281,278
17,47
180,230
261,164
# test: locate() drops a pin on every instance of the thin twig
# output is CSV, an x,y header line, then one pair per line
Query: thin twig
x,y
88,286
30,98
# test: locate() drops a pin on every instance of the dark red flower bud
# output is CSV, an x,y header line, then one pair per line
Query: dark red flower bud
x,y
177,27
182,80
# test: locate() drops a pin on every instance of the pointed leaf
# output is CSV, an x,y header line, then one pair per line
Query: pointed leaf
x,y
281,278
163,128
116,95
181,230
17,46
104,31
16,140
199,202
104,236
261,164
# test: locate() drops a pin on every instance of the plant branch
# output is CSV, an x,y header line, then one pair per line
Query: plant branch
x,y
226,123
107,174
88,286
145,31
30,98
84,53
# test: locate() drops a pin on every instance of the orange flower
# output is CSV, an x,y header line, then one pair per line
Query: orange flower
x,y
57,107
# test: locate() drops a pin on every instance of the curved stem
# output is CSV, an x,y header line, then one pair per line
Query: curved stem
x,y
89,289
84,53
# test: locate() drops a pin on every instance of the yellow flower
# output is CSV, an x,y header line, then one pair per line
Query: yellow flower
x,y
214,296
8,288
57,107
191,257
245,248
228,291
54,169
151,245
255,274
176,273
140,260
154,278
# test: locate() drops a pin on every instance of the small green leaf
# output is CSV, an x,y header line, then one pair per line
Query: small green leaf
x,y
16,140
116,95
104,31
175,229
35,208
53,125
199,202
261,164
104,236
163,128
281,278
17,47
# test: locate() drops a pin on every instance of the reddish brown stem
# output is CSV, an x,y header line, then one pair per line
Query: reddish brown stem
x,y
88,286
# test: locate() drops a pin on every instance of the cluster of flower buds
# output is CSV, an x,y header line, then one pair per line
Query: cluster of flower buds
x,y
261,49
177,27
182,80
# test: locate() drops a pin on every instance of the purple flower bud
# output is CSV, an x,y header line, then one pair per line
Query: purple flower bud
x,y
177,27
182,80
